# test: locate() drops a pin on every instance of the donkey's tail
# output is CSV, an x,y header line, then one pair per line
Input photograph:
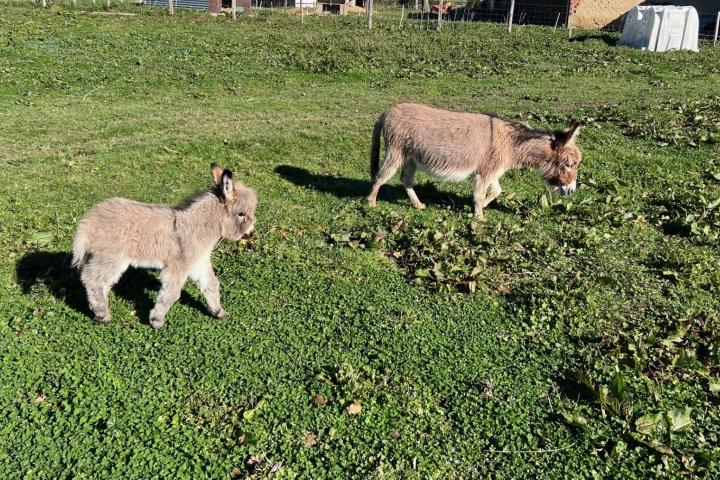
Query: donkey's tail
x,y
80,253
375,148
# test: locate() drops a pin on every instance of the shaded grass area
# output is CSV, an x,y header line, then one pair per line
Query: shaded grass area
x,y
563,338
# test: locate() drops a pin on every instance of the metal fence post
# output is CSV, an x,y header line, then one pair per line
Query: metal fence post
x,y
440,15
370,13
510,15
233,5
171,7
717,27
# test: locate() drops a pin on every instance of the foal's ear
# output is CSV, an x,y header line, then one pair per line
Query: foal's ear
x,y
216,173
571,133
227,186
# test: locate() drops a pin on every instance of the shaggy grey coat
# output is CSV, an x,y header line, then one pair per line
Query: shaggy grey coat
x,y
119,233
455,145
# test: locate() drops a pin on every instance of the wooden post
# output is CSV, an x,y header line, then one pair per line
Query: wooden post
x,y
510,15
570,17
171,7
233,5
557,20
44,3
302,13
717,27
108,3
370,13
402,14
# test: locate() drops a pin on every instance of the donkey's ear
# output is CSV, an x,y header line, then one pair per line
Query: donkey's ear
x,y
567,135
227,186
216,173
572,131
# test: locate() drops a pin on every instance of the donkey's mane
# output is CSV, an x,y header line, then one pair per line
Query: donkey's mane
x,y
196,198
524,132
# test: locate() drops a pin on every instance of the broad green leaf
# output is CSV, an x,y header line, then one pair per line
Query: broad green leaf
x,y
688,361
544,203
422,273
652,443
250,414
715,385
41,238
618,387
576,419
648,423
679,419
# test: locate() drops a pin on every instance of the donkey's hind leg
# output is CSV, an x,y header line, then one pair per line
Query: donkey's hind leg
x,y
172,283
98,277
408,179
393,160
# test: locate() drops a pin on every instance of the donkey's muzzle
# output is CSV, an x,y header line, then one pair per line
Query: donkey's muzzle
x,y
566,190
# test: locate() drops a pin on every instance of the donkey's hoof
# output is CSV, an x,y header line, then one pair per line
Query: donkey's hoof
x,y
371,202
104,320
157,323
220,314
418,205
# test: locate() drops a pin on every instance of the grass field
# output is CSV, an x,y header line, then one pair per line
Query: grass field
x,y
564,338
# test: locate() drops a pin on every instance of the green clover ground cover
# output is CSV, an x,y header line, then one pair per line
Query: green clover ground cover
x,y
564,338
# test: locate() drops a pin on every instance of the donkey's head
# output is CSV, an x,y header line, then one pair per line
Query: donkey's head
x,y
239,201
560,171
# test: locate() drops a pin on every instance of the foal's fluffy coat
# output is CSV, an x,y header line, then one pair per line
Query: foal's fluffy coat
x,y
456,145
119,233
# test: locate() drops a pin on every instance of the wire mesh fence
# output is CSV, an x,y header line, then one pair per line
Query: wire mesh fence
x,y
427,14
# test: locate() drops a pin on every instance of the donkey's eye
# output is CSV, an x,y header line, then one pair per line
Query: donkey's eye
x,y
241,215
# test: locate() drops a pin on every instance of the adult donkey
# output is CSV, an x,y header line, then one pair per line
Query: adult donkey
x,y
454,145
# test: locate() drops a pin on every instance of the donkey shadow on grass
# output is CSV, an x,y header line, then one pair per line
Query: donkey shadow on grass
x,y
53,270
342,187
608,38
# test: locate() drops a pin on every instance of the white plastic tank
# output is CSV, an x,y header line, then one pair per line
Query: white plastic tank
x,y
661,28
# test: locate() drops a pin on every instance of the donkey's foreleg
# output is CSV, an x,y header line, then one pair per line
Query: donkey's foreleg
x,y
172,284
202,274
494,192
393,160
408,179
481,186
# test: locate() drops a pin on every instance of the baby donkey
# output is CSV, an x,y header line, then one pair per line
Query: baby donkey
x,y
119,233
